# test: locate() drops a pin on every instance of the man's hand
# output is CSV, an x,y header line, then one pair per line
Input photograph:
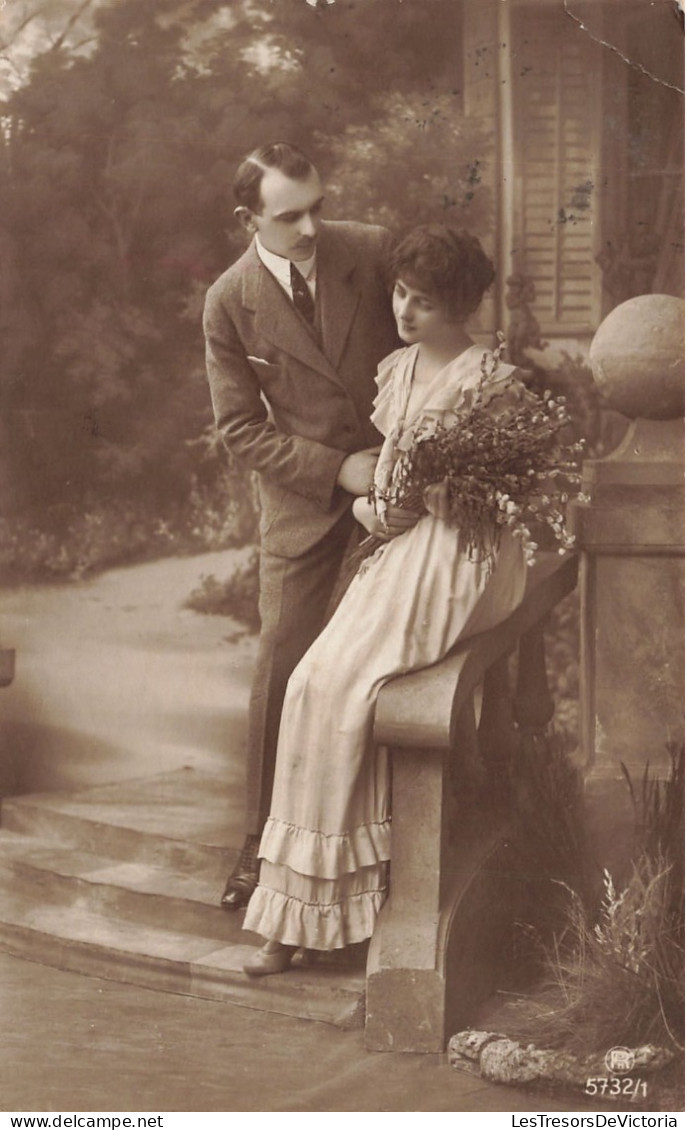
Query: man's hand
x,y
357,471
397,520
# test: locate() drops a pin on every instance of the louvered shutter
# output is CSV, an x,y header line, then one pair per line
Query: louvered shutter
x,y
555,108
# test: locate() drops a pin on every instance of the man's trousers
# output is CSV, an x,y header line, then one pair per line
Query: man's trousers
x,y
294,597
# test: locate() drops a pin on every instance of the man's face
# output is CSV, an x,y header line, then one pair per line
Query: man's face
x,y
291,214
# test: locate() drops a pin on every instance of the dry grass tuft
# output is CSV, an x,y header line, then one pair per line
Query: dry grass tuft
x,y
616,976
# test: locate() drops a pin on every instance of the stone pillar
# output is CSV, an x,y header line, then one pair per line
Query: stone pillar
x,y
631,538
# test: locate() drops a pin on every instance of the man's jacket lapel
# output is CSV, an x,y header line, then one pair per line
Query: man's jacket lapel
x,y
276,320
337,293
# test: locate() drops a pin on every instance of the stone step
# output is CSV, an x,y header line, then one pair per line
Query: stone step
x,y
133,891
81,941
178,820
122,882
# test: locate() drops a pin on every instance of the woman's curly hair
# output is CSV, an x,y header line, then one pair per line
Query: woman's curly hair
x,y
449,265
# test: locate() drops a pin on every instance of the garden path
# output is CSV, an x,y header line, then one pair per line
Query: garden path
x,y
115,679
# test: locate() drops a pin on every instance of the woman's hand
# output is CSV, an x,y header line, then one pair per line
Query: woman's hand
x,y
357,470
397,520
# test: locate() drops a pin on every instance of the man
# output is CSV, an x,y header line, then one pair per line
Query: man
x,y
294,332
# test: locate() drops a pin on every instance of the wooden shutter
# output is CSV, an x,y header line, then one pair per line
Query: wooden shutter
x,y
555,78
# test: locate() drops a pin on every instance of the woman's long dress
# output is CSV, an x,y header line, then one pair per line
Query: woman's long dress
x,y
326,843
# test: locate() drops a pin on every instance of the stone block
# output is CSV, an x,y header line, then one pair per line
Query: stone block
x,y
631,534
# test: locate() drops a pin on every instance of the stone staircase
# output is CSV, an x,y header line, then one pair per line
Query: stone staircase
x,y
122,881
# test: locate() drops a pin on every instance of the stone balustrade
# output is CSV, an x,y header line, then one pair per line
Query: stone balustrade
x,y
631,538
435,949
436,944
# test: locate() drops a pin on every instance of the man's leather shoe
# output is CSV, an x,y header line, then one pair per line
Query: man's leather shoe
x,y
237,893
244,878
272,958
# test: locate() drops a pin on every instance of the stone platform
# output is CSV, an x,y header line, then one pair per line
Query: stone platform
x,y
122,882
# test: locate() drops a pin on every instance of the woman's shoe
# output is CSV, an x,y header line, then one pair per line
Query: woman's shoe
x,y
272,958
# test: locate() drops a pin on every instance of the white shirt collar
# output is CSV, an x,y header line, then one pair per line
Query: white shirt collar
x,y
280,267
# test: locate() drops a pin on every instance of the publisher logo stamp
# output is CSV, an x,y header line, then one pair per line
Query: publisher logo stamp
x,y
619,1061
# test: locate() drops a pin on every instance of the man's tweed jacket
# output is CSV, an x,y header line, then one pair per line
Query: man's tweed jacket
x,y
286,407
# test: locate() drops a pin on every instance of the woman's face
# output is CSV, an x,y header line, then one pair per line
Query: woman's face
x,y
420,317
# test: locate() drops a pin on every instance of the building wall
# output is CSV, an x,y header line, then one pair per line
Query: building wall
x,y
586,167
480,102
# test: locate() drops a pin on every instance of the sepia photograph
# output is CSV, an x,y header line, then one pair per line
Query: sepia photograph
x,y
342,560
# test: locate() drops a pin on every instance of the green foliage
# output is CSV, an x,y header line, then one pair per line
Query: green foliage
x,y
235,596
619,981
118,146
66,542
548,806
614,972
659,808
424,160
562,635
494,458
601,428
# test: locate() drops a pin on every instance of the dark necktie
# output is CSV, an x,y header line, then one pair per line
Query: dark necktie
x,y
302,298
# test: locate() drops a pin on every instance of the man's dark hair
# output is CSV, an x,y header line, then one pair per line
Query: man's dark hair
x,y
449,265
292,162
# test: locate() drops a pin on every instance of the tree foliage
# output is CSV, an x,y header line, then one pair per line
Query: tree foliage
x,y
116,156
423,159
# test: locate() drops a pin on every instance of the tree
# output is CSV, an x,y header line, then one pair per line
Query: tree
x,y
422,160
33,27
115,211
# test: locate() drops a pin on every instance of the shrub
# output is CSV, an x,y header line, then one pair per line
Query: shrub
x,y
615,975
562,636
618,980
236,596
592,420
602,430
66,542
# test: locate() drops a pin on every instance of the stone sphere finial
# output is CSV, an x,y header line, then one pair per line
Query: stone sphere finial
x,y
638,357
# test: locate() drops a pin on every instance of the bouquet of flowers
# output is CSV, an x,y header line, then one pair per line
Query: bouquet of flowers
x,y
498,461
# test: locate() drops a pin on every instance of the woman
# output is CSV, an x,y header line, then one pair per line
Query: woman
x,y
325,848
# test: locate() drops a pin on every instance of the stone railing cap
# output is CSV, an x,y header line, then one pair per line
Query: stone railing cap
x,y
638,357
